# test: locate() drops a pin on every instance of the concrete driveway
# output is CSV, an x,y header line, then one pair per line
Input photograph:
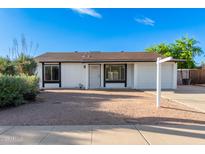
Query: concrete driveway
x,y
192,96
103,134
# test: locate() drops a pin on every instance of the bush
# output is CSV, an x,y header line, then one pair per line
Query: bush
x,y
15,89
12,89
31,87
25,64
7,67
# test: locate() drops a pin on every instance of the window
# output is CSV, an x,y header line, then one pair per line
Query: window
x,y
114,72
51,73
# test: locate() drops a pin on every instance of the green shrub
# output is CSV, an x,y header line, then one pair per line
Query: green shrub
x,y
11,90
31,87
14,89
7,67
25,64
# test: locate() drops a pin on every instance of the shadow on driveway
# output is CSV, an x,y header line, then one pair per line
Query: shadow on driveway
x,y
78,107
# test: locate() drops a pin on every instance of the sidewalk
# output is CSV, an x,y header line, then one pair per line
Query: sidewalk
x,y
104,134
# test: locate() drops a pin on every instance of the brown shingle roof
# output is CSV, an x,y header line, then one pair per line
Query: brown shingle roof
x,y
97,57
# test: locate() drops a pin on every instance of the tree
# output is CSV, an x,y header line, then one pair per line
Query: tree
x,y
202,64
184,48
162,48
187,49
7,66
22,47
25,64
20,53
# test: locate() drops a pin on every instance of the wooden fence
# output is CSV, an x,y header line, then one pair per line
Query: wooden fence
x,y
197,76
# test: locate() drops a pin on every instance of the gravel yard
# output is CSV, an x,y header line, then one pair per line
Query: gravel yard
x,y
98,107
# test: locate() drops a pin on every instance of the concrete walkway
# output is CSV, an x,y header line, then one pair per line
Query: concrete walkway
x,y
104,134
191,96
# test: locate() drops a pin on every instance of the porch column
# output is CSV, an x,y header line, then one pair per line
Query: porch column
x,y
60,75
135,76
43,84
101,75
86,76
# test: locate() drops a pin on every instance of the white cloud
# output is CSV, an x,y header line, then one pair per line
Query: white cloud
x,y
145,21
87,11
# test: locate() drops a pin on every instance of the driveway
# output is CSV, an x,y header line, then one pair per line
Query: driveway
x,y
98,107
192,96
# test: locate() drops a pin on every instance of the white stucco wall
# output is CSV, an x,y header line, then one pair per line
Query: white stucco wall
x,y
174,86
141,75
39,74
72,74
145,75
51,85
115,85
130,75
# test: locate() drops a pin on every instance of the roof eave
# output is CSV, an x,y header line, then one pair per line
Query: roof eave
x,y
93,61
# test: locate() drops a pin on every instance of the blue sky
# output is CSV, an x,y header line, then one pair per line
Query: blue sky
x,y
100,29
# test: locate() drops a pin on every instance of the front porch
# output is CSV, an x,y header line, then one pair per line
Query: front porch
x,y
110,75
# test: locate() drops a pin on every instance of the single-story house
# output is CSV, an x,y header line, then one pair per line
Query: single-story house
x,y
92,70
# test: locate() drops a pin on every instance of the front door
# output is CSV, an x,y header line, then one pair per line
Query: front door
x,y
94,76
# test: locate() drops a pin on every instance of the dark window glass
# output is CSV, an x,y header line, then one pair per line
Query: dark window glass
x,y
51,73
55,73
47,73
114,72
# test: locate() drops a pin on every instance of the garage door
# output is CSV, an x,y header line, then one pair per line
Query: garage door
x,y
146,76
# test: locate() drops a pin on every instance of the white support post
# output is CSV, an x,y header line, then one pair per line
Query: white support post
x,y
158,82
102,75
86,76
158,86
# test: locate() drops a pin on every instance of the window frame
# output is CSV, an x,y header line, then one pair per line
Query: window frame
x,y
116,81
110,65
51,65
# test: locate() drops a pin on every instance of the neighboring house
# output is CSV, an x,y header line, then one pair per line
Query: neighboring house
x,y
91,70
